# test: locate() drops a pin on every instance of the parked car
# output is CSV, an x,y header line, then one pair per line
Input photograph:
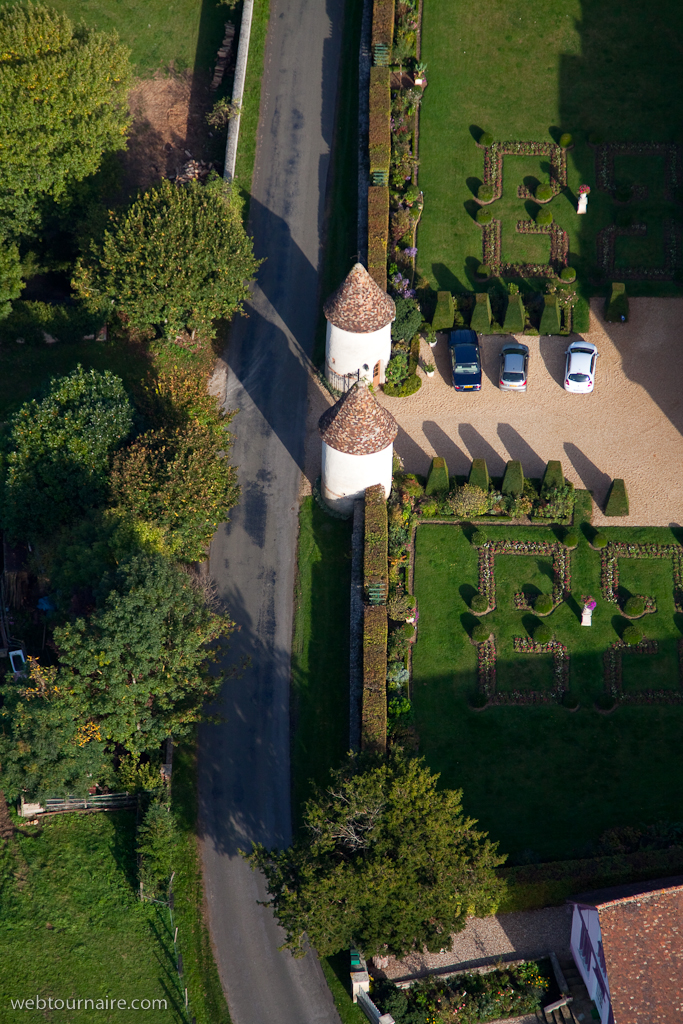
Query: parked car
x,y
514,364
579,376
465,360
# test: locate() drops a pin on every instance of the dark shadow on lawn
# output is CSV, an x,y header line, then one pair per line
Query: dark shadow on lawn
x,y
445,278
592,478
473,185
467,592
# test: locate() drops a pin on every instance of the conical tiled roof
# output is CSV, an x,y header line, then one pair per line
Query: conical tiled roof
x,y
357,424
359,305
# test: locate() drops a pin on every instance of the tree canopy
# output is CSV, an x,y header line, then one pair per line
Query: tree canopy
x,y
178,258
387,863
63,103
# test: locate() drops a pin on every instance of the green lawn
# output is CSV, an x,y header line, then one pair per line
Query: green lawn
x,y
529,71
544,779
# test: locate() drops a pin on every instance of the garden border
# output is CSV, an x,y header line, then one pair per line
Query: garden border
x,y
612,659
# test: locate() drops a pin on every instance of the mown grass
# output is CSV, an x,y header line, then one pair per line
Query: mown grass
x,y
251,101
544,781
337,974
529,71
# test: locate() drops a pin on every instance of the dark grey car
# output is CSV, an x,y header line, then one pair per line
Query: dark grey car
x,y
514,366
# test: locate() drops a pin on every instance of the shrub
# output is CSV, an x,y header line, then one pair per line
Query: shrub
x,y
444,314
378,229
616,310
550,317
478,700
568,274
543,634
513,481
517,505
484,215
479,537
437,481
544,192
468,501
544,217
581,317
399,640
481,633
632,635
479,603
486,139
157,837
570,701
375,566
617,499
514,316
379,128
479,475
596,139
624,193
401,606
565,140
543,605
605,702
485,193
410,385
374,705
429,508
634,606
570,539
481,314
483,271
556,504
397,674
382,23
599,541
553,476
408,320
409,484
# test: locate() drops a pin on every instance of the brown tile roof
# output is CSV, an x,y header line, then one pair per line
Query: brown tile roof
x,y
359,305
357,424
642,939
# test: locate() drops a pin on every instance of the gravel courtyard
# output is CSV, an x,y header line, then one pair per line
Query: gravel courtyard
x,y
630,427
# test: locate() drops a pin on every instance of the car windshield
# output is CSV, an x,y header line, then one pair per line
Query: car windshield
x,y
579,378
466,368
512,378
584,351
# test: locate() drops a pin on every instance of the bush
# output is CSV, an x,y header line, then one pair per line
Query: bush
x,y
544,192
513,481
616,310
570,701
157,837
568,274
399,641
382,23
634,607
632,635
408,320
565,140
444,314
479,537
379,128
437,481
429,508
514,316
483,271
410,385
485,193
481,633
401,606
553,476
486,139
543,634
375,566
556,504
606,702
479,603
570,539
550,317
374,704
477,700
484,215
479,475
581,316
617,499
397,369
544,217
596,139
378,231
409,484
517,505
543,605
599,541
468,501
481,314
624,193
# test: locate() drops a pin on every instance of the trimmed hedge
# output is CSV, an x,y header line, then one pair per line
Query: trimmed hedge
x,y
481,314
616,310
437,481
376,540
543,634
543,605
379,131
550,317
378,232
617,499
544,217
513,481
514,316
374,711
479,475
553,476
581,317
568,274
632,635
410,385
444,314
383,23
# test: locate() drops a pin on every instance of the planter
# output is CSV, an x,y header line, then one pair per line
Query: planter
x,y
430,373
432,344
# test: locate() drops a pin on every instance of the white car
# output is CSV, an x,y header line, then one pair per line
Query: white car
x,y
579,375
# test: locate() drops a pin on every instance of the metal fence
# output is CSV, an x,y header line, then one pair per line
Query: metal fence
x,y
342,382
109,801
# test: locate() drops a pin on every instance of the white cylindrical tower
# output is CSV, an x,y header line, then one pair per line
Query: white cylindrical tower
x,y
359,316
358,447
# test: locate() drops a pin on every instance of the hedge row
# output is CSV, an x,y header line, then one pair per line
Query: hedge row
x,y
544,885
513,481
479,475
437,481
375,565
378,230
444,315
514,316
617,499
481,314
553,476
374,715
379,134
551,321
383,23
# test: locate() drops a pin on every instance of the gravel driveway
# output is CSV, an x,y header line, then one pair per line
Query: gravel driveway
x,y
630,427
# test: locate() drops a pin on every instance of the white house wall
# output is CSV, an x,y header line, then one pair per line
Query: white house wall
x,y
345,477
347,352
589,971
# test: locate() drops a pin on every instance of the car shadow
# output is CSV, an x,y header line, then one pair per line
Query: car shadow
x,y
490,346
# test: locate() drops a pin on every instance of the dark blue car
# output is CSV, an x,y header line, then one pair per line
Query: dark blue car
x,y
465,360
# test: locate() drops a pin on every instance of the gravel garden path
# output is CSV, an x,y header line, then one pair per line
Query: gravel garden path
x,y
630,427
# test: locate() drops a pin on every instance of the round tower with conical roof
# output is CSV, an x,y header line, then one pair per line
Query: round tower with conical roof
x,y
359,316
358,447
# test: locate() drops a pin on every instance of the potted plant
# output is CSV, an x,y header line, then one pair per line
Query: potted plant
x,y
420,70
429,369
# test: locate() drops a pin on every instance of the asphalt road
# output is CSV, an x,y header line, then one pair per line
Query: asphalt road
x,y
244,775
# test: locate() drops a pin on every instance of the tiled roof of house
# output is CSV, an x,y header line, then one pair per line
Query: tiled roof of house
x,y
359,305
357,424
642,941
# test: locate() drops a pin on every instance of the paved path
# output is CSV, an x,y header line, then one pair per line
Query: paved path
x,y
244,779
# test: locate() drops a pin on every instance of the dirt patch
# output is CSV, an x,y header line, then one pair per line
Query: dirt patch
x,y
169,127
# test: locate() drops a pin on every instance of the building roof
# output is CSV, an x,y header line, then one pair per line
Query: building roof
x,y
359,305
357,424
642,940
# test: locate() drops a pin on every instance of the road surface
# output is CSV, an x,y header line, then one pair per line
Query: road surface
x,y
244,776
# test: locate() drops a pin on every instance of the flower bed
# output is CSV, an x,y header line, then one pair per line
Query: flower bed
x,y
492,250
561,566
613,674
606,240
604,165
493,165
486,669
609,568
